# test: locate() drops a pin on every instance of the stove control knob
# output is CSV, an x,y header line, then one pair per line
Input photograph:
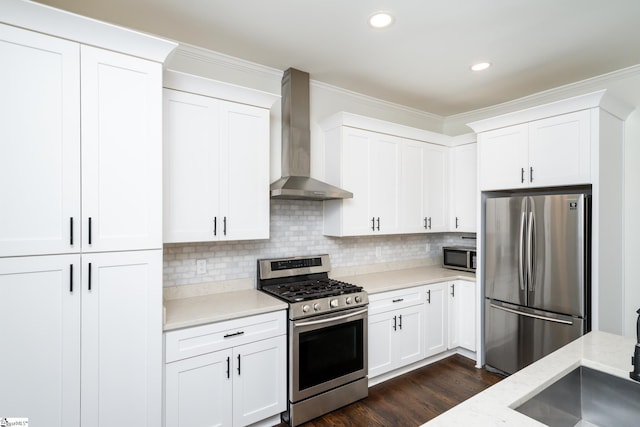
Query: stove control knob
x,y
316,307
305,308
348,300
358,299
333,303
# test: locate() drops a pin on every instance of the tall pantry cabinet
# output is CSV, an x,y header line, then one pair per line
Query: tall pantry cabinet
x,y
80,224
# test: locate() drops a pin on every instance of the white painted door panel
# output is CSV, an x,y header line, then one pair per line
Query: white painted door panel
x,y
356,169
39,144
466,292
122,338
381,354
121,151
383,177
436,325
410,333
454,315
503,158
199,391
464,188
412,216
435,196
40,358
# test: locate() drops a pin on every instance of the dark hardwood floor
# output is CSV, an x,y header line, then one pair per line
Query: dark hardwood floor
x,y
414,398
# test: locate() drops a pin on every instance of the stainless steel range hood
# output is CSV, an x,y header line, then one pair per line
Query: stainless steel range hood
x,y
296,142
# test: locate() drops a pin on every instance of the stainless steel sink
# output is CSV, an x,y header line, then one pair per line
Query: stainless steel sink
x,y
586,397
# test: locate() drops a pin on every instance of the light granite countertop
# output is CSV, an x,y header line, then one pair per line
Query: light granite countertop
x,y
193,305
492,407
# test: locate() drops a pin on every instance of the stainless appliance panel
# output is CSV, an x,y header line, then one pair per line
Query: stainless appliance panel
x,y
327,352
505,228
555,241
517,336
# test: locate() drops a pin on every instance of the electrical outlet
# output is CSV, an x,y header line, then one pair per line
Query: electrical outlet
x,y
378,252
201,266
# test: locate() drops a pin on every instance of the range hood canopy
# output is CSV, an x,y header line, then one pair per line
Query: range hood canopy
x,y
296,182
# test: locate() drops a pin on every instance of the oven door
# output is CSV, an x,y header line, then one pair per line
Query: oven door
x,y
326,352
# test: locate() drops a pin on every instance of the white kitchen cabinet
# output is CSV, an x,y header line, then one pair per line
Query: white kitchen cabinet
x,y
464,188
40,357
423,187
121,338
396,330
367,164
542,153
216,169
462,312
230,373
436,319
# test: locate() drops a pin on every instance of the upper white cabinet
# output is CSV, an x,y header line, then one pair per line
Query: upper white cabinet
x,y
542,153
365,163
464,188
216,165
49,87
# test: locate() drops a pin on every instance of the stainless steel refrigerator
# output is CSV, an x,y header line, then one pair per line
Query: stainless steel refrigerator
x,y
536,275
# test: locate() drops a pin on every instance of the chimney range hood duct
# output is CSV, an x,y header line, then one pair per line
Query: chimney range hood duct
x,y
296,183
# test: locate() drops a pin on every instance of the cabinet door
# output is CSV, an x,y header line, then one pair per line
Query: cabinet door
x,y
380,352
259,380
244,177
122,338
121,151
436,320
384,177
503,158
560,150
199,391
412,184
435,189
410,335
40,144
466,294
356,216
464,188
40,359
191,167
454,315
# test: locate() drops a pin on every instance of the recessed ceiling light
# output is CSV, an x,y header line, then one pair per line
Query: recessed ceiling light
x,y
380,20
480,66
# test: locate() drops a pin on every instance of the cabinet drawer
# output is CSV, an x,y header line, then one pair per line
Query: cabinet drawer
x,y
379,303
198,340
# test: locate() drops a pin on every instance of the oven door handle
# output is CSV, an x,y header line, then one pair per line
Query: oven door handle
x,y
329,320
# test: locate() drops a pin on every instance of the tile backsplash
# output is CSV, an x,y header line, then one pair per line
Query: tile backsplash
x,y
296,229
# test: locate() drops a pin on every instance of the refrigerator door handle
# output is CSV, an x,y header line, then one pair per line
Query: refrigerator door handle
x,y
565,320
531,255
521,254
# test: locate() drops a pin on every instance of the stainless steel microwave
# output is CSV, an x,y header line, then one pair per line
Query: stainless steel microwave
x,y
459,258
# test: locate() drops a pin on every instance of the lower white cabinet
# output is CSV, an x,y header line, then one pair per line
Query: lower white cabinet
x,y
462,314
89,343
396,330
436,319
230,373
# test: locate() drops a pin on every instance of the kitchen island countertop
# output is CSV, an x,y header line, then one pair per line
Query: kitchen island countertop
x,y
493,407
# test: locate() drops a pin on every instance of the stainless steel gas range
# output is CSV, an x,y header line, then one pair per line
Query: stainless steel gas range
x,y
327,335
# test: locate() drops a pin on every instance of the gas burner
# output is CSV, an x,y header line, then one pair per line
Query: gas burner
x,y
311,289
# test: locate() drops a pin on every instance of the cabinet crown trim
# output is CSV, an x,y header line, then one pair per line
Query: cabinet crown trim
x,y
59,23
599,99
186,82
344,118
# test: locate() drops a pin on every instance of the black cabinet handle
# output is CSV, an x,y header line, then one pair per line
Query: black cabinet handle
x,y
89,230
522,175
235,334
373,223
429,223
395,325
215,225
228,367
453,290
238,364
398,300
71,231
378,223
425,222
71,278
531,174
224,222
429,296
457,222
89,287
400,324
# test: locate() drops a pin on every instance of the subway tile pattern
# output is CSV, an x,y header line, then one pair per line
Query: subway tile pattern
x,y
296,229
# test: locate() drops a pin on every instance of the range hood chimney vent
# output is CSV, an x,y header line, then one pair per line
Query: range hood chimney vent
x,y
296,182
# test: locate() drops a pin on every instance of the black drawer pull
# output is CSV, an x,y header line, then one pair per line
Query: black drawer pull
x,y
235,334
398,300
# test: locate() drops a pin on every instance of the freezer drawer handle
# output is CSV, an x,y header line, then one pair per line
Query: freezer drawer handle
x,y
535,316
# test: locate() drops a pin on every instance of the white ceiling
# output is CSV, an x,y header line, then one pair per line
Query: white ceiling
x,y
422,61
